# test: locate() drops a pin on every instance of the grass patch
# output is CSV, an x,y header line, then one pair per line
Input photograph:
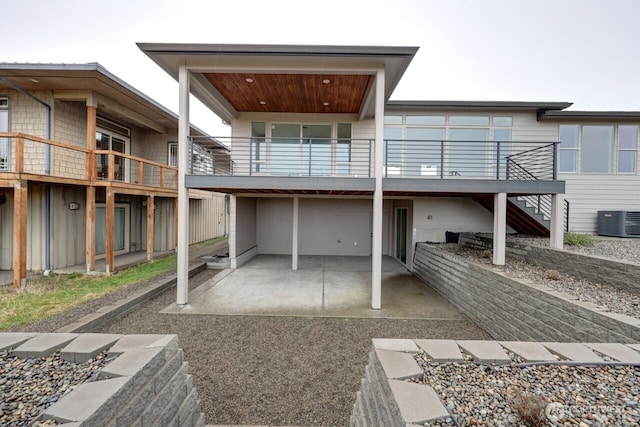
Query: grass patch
x,y
578,239
47,296
211,242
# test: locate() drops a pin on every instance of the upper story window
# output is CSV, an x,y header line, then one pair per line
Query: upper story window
x,y
627,148
598,149
424,144
201,158
5,149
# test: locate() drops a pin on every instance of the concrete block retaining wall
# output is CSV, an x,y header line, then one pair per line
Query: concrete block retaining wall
x,y
147,384
622,275
513,309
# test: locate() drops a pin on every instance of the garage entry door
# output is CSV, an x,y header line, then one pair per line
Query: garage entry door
x,y
325,226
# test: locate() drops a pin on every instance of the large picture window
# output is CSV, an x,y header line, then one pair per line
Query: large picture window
x,y
454,145
598,149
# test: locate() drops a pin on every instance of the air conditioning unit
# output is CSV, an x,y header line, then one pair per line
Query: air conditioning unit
x,y
619,223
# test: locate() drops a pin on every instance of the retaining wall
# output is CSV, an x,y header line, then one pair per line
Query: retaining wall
x,y
147,384
622,275
514,309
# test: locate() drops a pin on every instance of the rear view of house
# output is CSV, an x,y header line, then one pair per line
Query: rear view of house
x,y
88,170
323,164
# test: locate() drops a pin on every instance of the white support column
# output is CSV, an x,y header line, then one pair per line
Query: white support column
x,y
557,221
499,227
232,231
294,243
376,250
183,195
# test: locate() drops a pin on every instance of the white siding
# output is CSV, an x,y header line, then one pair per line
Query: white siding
x,y
433,216
245,223
587,194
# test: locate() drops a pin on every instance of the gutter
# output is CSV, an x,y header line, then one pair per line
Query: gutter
x,y
47,171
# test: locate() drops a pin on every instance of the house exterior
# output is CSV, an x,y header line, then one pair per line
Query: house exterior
x,y
322,163
88,170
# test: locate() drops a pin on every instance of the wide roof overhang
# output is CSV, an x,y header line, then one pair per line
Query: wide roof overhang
x,y
233,79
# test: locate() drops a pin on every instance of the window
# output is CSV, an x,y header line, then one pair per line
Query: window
x,y
5,149
426,120
569,143
627,148
172,154
201,158
112,141
469,120
343,149
597,149
393,120
502,121
258,146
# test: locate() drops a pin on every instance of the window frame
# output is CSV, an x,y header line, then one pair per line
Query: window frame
x,y
633,151
5,145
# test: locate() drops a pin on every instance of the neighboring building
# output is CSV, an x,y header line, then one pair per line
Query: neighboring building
x,y
88,169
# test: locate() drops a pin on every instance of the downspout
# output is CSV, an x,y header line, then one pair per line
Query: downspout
x,y
47,171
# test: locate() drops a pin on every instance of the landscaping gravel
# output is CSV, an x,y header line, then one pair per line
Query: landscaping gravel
x,y
616,300
627,250
29,386
543,394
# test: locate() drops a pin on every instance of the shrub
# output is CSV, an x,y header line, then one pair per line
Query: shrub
x,y
530,407
577,239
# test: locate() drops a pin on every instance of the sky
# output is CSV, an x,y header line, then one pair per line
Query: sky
x,y
581,51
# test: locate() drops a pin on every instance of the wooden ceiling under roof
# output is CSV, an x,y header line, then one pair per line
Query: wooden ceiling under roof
x,y
296,93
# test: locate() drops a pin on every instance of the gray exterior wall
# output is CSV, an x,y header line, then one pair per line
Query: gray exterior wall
x,y
245,223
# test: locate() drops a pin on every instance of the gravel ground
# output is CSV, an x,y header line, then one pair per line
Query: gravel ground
x,y
29,386
270,370
627,250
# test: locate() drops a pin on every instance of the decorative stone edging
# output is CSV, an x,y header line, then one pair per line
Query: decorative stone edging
x,y
146,384
512,309
386,397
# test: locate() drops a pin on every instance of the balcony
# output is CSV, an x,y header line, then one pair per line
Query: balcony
x,y
334,165
33,158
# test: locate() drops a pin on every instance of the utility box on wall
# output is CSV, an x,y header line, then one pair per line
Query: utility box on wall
x,y
618,223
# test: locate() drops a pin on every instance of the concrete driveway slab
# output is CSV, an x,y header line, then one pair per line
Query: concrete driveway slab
x,y
328,286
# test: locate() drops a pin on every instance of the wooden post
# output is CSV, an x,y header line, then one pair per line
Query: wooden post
x,y
140,172
161,177
110,228
90,229
150,225
19,234
91,143
112,166
19,155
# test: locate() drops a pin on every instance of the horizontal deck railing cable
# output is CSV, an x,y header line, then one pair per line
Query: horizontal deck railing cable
x,y
439,159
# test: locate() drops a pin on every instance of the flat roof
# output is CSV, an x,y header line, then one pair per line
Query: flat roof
x,y
485,105
203,59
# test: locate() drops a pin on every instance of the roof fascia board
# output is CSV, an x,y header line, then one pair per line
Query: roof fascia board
x,y
484,105
590,115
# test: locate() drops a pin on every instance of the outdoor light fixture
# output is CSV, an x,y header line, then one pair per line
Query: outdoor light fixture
x,y
326,81
326,104
74,206
248,80
263,102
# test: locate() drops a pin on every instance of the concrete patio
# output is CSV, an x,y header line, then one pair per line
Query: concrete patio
x,y
323,286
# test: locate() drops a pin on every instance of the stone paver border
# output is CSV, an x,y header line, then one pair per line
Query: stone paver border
x,y
387,398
